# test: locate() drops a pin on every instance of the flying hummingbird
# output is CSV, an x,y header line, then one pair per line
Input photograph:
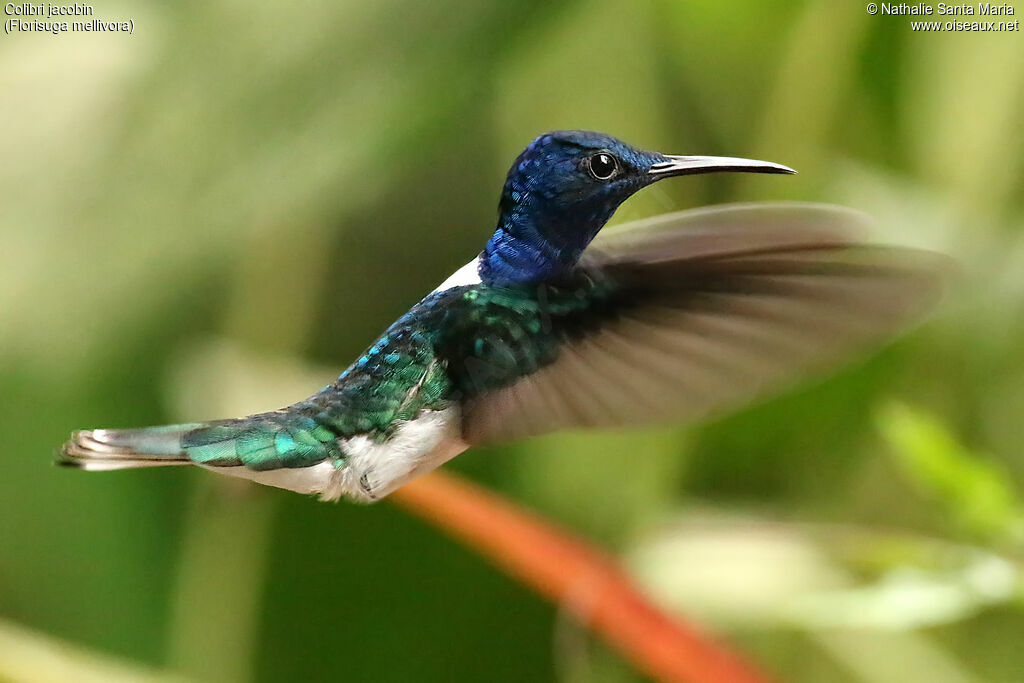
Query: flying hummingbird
x,y
666,319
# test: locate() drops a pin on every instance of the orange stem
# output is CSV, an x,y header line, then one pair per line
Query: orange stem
x,y
568,571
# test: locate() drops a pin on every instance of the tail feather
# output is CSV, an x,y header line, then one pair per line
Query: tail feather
x,y
114,449
259,442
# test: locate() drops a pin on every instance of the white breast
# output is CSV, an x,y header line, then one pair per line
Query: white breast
x,y
466,275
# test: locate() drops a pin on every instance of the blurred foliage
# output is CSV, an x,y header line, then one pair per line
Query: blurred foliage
x,y
215,214
976,495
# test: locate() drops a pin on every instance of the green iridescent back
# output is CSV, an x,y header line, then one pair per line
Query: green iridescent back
x,y
452,345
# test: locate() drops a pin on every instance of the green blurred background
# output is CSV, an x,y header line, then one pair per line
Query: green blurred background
x,y
216,214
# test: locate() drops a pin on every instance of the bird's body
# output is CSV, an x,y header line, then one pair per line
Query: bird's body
x,y
688,313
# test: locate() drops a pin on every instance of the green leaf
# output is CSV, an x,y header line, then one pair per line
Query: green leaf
x,y
976,494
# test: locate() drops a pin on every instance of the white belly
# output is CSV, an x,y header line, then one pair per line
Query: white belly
x,y
372,469
314,479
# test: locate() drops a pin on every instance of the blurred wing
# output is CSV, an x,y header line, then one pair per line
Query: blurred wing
x,y
721,305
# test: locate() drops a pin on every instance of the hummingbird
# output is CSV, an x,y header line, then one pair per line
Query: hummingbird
x,y
666,319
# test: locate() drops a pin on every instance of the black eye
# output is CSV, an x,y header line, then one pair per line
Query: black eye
x,y
603,166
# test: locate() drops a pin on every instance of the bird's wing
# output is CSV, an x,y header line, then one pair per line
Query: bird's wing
x,y
716,306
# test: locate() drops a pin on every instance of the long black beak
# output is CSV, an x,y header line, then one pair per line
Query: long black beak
x,y
676,165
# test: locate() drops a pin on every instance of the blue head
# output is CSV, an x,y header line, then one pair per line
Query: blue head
x,y
564,187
